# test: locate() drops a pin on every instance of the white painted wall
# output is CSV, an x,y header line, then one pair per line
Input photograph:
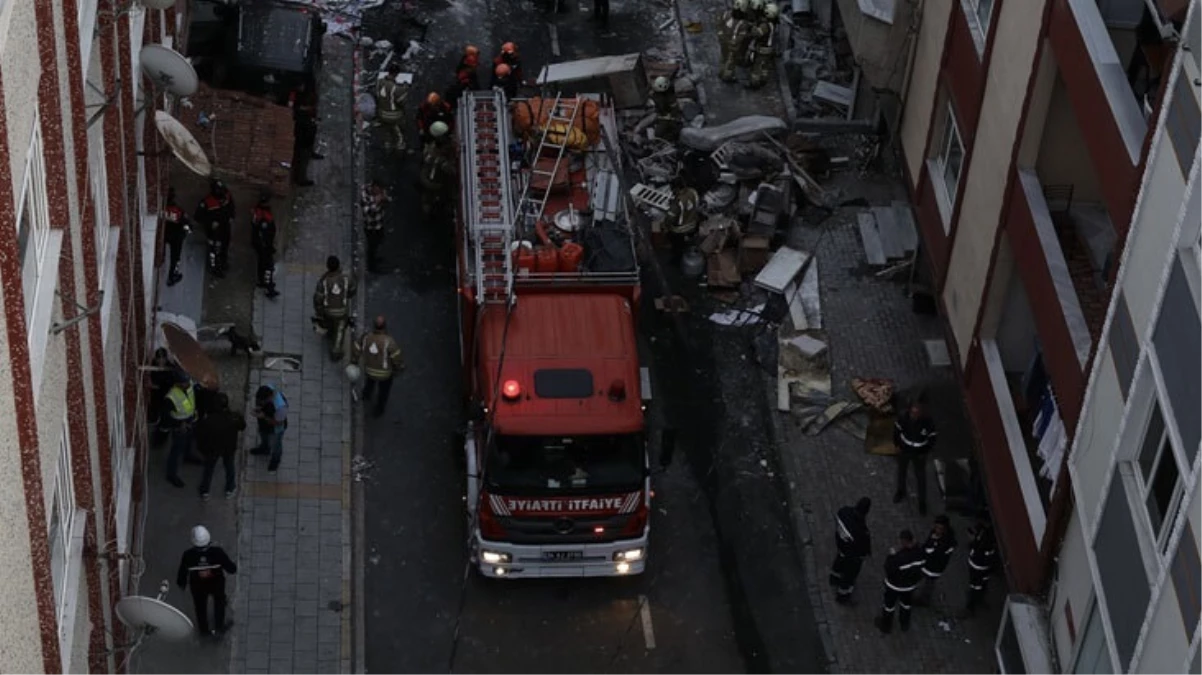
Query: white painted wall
x,y
1097,432
1073,590
924,84
1152,232
19,63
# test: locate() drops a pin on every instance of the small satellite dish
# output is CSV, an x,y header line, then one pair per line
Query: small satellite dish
x,y
183,144
154,616
168,69
158,4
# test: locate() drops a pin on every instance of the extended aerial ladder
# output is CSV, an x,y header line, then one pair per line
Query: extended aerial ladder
x,y
487,200
557,132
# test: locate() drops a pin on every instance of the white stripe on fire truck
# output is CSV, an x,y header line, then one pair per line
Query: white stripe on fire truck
x,y
498,505
631,501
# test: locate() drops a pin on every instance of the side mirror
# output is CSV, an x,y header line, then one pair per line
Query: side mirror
x,y
667,446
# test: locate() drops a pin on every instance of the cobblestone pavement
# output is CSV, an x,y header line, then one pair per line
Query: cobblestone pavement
x,y
294,526
872,332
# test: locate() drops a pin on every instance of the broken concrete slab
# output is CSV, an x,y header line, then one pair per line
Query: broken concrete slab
x,y
874,251
781,269
886,227
709,139
834,94
809,347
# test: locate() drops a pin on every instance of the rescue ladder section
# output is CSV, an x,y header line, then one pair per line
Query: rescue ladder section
x,y
560,123
487,201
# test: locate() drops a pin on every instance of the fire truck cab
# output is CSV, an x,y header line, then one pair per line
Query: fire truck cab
x,y
558,479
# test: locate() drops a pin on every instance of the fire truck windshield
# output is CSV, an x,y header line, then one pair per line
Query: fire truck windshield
x,y
573,464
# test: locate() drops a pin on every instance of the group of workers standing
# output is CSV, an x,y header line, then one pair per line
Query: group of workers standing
x,y
747,36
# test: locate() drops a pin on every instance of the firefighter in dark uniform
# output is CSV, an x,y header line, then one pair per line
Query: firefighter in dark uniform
x,y
681,221
982,559
331,302
668,116
216,214
176,228
763,45
433,110
854,543
903,573
503,79
203,567
380,358
914,436
262,233
438,170
937,550
509,56
391,94
732,32
466,76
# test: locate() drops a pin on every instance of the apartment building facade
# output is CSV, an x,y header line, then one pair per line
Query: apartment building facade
x,y
77,199
1025,132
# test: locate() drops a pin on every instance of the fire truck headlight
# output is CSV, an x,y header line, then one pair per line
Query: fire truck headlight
x,y
629,555
623,567
492,557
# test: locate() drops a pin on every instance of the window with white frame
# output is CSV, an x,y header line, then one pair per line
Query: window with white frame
x,y
979,14
947,163
62,527
1093,656
1159,476
33,227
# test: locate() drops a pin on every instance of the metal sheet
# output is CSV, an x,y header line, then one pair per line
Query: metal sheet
x,y
602,66
781,269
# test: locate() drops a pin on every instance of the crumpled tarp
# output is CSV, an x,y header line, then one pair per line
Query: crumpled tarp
x,y
708,139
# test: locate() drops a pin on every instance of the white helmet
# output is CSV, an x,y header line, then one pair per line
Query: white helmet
x,y
661,84
771,10
757,5
353,373
439,129
740,5
200,536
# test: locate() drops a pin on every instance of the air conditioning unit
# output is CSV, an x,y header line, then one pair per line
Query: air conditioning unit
x,y
1024,642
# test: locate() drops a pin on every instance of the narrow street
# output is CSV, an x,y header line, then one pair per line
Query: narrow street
x,y
689,612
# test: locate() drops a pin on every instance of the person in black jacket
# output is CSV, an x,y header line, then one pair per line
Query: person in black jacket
x,y
903,573
203,567
982,559
217,438
937,550
854,543
914,437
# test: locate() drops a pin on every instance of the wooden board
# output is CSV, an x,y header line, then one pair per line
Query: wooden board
x,y
781,269
886,227
870,239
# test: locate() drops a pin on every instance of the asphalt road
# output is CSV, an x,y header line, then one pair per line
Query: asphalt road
x,y
689,612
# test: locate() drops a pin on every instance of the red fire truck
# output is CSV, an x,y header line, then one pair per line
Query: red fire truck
x,y
558,481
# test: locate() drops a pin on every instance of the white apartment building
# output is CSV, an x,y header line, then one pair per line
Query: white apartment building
x,y
1127,590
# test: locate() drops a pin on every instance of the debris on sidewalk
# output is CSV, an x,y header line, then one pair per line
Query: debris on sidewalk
x,y
876,392
738,317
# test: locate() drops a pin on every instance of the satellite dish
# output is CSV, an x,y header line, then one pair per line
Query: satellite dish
x,y
183,143
154,616
158,4
168,69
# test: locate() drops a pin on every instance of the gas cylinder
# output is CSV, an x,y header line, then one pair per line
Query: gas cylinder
x,y
524,258
570,256
546,260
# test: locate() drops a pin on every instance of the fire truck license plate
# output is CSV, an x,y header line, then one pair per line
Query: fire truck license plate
x,y
562,556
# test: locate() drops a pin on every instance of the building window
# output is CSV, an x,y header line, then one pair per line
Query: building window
x,y
38,246
948,162
1159,478
1093,656
979,14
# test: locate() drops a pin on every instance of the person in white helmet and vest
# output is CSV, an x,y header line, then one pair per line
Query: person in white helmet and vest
x,y
682,219
391,94
380,358
668,116
438,169
332,303
763,47
203,568
733,35
181,399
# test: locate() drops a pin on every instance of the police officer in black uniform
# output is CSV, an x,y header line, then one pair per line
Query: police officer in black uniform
x,y
262,232
203,567
903,573
914,437
176,227
982,559
216,214
937,550
854,543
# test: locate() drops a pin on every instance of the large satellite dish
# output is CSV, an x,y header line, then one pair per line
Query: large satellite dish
x,y
168,69
152,616
190,356
183,144
158,4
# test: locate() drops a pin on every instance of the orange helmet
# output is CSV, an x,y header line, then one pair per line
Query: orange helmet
x,y
502,70
509,48
433,98
471,50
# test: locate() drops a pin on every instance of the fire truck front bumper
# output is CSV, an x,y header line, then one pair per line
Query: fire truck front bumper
x,y
501,560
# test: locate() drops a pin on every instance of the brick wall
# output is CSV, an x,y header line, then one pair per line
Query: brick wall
x,y
249,139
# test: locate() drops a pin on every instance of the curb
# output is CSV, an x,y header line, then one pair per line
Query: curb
x,y
357,571
803,533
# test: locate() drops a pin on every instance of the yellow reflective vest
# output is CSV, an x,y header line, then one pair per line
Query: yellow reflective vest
x,y
183,403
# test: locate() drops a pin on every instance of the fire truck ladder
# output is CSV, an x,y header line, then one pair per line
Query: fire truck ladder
x,y
484,126
562,119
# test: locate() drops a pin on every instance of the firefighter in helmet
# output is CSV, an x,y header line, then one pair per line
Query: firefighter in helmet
x,y
466,76
763,44
438,171
216,214
509,56
391,94
262,233
734,33
332,303
682,219
668,116
380,358
433,109
503,79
